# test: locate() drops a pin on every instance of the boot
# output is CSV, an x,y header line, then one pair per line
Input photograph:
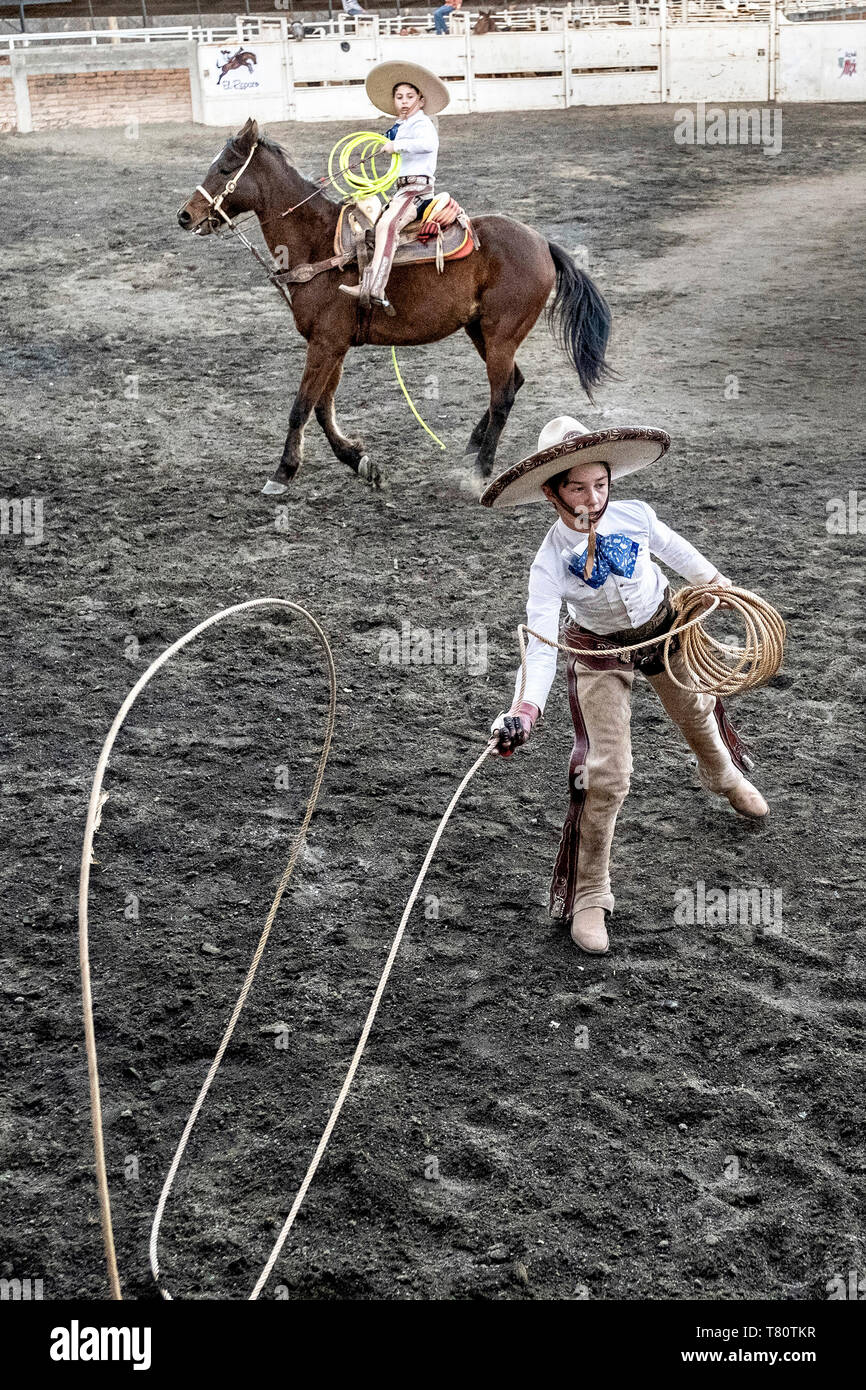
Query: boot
x,y
380,301
589,932
747,800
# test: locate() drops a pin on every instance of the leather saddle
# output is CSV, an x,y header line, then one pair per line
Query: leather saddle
x,y
441,232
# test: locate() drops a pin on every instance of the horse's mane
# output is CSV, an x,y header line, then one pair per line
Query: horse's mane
x,y
269,143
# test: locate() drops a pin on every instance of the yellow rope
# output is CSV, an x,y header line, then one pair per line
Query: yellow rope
x,y
411,405
363,184
368,180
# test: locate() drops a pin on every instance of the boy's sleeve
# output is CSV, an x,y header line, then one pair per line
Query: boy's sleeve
x,y
422,139
676,552
542,613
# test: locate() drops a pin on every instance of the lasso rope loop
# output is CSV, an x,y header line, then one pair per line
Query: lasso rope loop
x,y
705,662
361,178
97,799
94,813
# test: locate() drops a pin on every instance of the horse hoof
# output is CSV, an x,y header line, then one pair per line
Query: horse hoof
x,y
371,472
272,489
473,484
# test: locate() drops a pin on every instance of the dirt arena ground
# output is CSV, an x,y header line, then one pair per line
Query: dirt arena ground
x,y
704,1144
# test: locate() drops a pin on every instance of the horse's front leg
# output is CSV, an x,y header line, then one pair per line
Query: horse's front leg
x,y
319,367
350,451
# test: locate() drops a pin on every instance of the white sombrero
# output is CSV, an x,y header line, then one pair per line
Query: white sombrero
x,y
563,443
384,77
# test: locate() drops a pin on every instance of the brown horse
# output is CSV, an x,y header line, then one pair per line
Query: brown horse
x,y
495,294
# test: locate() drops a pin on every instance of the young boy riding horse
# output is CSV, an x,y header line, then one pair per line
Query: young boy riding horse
x,y
412,94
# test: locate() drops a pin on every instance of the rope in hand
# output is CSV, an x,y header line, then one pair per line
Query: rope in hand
x,y
369,180
364,185
757,663
97,800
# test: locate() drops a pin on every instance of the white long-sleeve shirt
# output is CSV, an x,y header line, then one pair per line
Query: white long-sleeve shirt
x,y
618,604
418,142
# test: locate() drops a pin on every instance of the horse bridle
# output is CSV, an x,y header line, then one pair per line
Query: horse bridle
x,y
216,203
217,208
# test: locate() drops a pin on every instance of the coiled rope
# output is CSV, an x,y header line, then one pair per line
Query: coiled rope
x,y
756,663
706,662
368,180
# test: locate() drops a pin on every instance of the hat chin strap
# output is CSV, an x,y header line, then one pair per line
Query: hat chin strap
x,y
590,545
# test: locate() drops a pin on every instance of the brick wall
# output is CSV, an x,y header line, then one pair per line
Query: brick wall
x,y
106,98
8,118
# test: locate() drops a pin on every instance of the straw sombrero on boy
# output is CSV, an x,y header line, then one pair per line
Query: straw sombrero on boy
x,y
565,442
384,77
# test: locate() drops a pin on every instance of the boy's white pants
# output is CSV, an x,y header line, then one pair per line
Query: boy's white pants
x,y
399,212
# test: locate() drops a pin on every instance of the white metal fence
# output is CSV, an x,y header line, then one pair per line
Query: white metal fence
x,y
536,18
253,68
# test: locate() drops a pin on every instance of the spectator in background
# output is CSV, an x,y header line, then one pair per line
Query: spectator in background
x,y
440,16
353,7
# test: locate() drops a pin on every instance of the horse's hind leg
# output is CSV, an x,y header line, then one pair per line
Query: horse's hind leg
x,y
502,373
318,370
476,438
477,435
350,451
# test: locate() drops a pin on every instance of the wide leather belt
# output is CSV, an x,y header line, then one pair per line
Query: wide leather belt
x,y
595,643
412,178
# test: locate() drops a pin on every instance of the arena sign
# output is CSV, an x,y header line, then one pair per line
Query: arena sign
x,y
240,70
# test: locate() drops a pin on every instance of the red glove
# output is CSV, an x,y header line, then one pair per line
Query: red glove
x,y
512,730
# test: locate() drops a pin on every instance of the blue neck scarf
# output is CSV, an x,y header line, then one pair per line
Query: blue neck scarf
x,y
615,554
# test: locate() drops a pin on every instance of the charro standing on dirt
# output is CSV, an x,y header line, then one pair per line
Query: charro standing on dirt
x,y
413,94
615,595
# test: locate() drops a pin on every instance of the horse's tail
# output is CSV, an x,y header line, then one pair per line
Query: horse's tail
x,y
579,316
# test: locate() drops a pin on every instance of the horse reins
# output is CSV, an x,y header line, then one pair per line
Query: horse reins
x,y
217,207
